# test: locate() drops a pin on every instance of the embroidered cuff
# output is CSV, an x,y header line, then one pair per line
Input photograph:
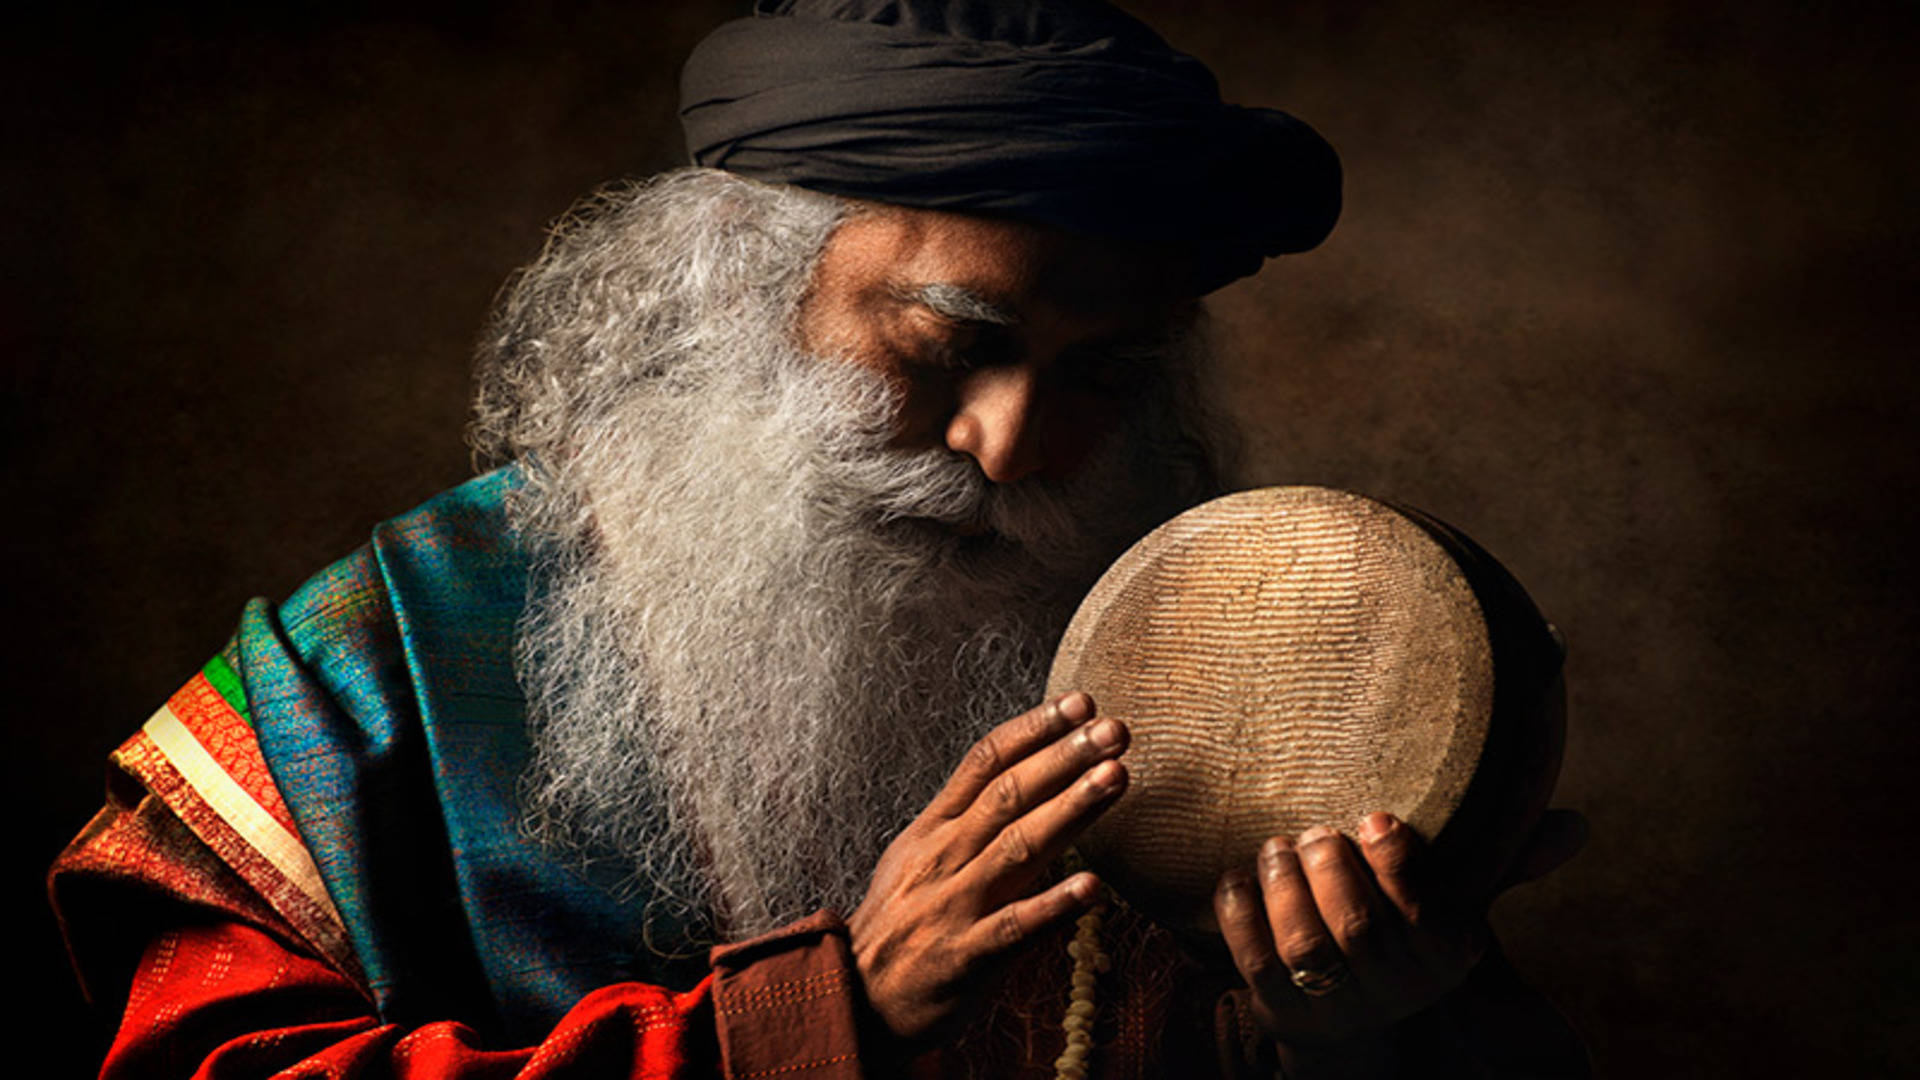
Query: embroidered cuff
x,y
784,1003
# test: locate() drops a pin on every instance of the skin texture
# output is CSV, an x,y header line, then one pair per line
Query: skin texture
x,y
949,904
1019,391
1000,360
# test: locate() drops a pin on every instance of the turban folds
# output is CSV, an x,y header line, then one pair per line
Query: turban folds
x,y
1064,113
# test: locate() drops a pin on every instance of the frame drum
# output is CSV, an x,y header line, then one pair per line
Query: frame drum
x,y
1299,656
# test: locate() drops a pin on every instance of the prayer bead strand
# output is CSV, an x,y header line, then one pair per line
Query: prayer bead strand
x,y
1088,961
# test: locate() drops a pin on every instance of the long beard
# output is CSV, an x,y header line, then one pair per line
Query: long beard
x,y
764,655
759,639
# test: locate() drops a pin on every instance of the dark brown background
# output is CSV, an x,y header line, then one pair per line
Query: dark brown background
x,y
1622,289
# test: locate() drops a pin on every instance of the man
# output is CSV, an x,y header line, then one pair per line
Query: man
x,y
679,745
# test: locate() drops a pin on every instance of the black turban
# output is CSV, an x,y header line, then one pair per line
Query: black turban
x,y
1071,114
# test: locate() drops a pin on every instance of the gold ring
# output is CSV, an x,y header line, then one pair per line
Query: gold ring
x,y
1318,981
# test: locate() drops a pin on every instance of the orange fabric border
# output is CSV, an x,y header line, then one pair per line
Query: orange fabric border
x,y
230,740
142,759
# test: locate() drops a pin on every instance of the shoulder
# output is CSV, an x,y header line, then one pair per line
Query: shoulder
x,y
444,581
456,546
248,791
384,704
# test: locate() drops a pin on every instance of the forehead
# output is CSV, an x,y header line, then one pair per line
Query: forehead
x,y
1031,271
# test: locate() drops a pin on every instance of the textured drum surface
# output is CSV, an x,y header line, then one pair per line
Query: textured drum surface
x,y
1285,657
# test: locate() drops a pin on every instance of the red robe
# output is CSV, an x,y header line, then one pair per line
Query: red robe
x,y
219,982
227,971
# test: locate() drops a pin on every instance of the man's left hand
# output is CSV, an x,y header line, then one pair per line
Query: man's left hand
x,y
1337,941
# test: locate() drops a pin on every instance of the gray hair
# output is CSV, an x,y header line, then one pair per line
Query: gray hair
x,y
746,665
637,277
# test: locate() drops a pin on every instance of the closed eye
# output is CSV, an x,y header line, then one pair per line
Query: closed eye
x,y
1112,371
962,350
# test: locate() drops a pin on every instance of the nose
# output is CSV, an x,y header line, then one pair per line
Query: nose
x,y
996,422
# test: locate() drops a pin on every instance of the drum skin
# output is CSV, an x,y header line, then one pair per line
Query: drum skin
x,y
1300,656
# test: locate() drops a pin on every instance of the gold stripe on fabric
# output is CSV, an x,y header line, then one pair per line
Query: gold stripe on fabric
x,y
248,819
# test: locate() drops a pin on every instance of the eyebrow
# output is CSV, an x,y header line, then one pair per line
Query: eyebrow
x,y
956,302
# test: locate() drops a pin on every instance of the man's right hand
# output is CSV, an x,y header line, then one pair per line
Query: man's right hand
x,y
949,902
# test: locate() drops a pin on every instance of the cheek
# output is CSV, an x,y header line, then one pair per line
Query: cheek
x,y
922,404
835,335
1075,425
927,404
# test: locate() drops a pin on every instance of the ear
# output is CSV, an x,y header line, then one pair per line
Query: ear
x,y
1557,838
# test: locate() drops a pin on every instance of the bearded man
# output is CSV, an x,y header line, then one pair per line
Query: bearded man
x,y
808,455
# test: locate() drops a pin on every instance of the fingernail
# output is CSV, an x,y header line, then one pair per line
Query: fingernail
x,y
1236,884
1104,735
1076,708
1375,827
1084,888
1107,776
1316,834
1275,847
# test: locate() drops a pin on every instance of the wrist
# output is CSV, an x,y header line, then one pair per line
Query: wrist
x,y
882,1049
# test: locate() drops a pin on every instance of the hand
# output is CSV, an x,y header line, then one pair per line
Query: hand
x,y
1336,942
949,902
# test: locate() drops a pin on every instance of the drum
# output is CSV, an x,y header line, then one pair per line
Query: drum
x,y
1298,656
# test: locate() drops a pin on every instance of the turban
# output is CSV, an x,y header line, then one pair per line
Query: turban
x,y
1069,114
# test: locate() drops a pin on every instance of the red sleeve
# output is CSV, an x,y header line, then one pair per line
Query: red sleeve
x,y
219,984
226,1000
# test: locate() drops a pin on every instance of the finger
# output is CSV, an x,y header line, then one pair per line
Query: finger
x,y
1243,925
1434,935
1005,746
1021,920
1044,774
1300,937
1022,848
1352,909
1393,851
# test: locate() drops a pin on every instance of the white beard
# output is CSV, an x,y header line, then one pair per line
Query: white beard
x,y
772,642
752,655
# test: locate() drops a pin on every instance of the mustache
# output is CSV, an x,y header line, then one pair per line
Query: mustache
x,y
949,489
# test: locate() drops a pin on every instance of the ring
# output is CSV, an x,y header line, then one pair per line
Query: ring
x,y
1317,981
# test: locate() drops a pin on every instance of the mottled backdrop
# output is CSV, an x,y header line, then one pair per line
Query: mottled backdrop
x,y
1623,289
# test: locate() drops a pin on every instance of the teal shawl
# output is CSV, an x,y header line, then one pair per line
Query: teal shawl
x,y
384,699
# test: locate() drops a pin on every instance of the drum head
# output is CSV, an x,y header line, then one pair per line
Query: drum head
x,y
1285,657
